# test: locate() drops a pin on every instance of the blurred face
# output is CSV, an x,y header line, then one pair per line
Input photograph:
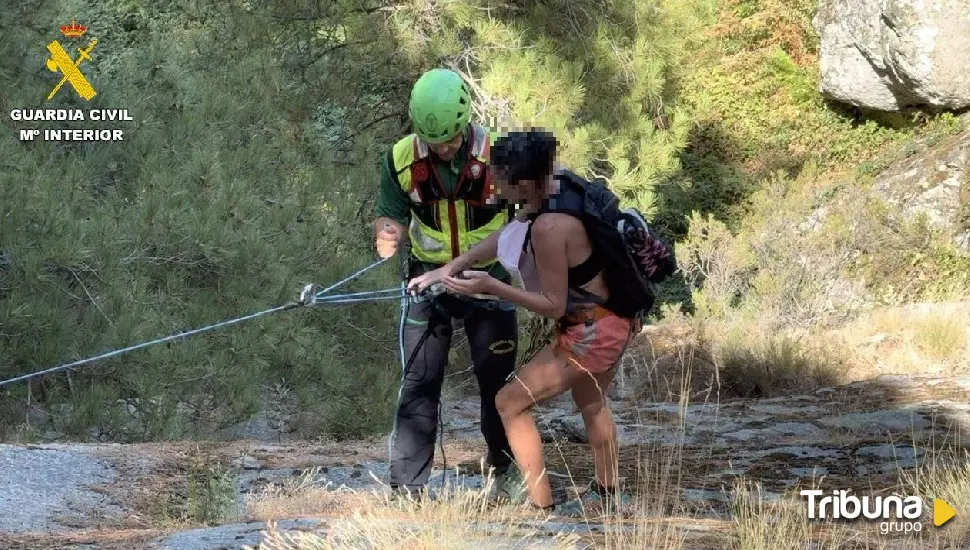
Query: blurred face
x,y
520,193
448,149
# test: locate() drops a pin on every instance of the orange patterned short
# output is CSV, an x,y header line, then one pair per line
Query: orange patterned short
x,y
593,338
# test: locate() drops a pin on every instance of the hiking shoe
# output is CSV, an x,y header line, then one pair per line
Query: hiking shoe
x,y
509,485
472,467
402,498
593,503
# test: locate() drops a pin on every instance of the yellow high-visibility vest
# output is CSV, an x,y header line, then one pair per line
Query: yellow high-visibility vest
x,y
445,226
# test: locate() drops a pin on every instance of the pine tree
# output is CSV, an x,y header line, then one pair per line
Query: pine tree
x,y
241,179
602,75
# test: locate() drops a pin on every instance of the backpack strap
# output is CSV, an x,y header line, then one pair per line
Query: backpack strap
x,y
569,200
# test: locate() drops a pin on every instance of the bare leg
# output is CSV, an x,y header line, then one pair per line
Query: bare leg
x,y
545,376
589,393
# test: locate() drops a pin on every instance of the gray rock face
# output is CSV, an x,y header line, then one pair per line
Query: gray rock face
x,y
41,485
890,54
934,184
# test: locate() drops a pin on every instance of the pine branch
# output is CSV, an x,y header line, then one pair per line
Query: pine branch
x,y
93,301
501,107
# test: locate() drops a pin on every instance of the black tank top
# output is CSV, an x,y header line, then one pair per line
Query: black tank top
x,y
578,275
585,272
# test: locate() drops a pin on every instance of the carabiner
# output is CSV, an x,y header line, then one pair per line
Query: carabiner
x,y
429,293
308,296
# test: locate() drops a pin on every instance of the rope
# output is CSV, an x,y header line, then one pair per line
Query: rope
x,y
183,334
428,294
405,307
320,297
392,292
371,296
441,445
354,275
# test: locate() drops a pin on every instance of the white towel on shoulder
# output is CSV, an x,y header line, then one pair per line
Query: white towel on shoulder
x,y
519,263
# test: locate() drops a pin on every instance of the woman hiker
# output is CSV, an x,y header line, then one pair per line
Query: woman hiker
x,y
556,272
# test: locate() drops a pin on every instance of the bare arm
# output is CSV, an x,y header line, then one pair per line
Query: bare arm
x,y
485,250
549,244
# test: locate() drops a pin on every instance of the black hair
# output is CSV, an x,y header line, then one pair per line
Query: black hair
x,y
524,155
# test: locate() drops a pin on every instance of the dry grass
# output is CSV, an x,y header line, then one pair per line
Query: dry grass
x,y
464,518
744,360
458,519
302,496
771,365
743,364
656,499
661,378
753,358
941,337
945,475
921,338
763,524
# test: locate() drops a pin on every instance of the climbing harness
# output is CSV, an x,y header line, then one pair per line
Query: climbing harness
x,y
308,297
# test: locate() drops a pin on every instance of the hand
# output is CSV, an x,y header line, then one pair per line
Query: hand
x,y
422,282
387,241
475,282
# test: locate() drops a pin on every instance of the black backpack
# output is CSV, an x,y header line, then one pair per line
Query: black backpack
x,y
634,259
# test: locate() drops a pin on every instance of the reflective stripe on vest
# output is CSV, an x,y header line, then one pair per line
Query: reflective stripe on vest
x,y
443,227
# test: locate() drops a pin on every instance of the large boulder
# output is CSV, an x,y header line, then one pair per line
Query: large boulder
x,y
888,55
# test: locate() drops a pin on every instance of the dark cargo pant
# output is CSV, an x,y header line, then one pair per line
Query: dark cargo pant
x,y
492,337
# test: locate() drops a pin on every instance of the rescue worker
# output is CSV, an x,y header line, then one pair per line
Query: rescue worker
x,y
433,189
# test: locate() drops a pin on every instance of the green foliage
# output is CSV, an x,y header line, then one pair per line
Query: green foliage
x,y
203,493
813,249
713,265
906,261
222,200
250,170
751,92
210,492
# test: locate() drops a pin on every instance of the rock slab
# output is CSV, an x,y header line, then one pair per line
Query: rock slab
x,y
39,485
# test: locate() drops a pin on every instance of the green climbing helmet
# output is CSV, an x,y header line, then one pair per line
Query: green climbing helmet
x,y
440,106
